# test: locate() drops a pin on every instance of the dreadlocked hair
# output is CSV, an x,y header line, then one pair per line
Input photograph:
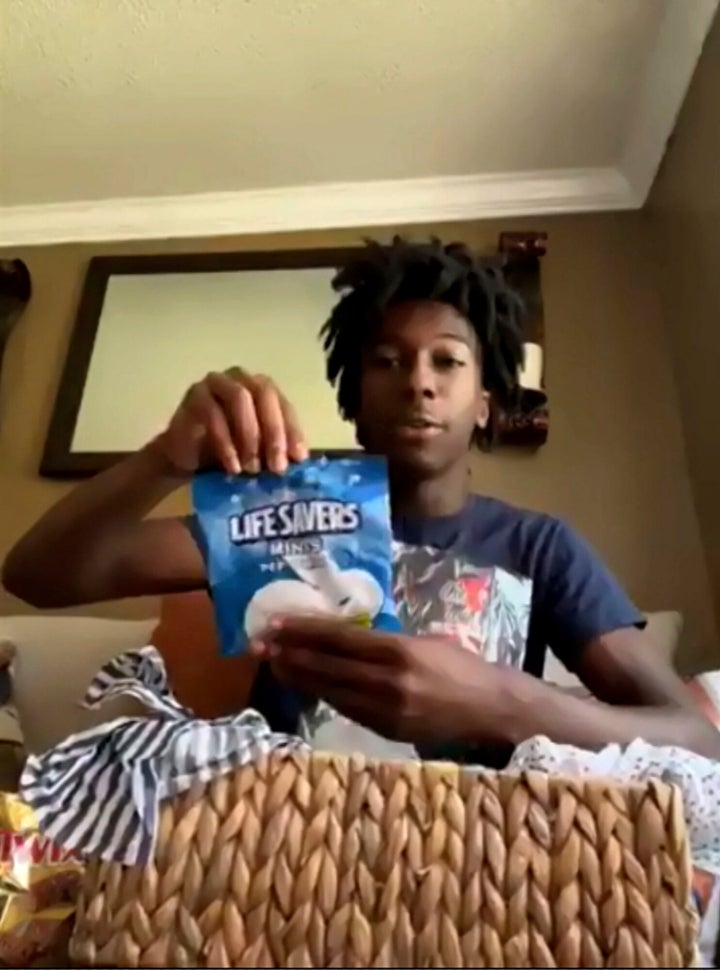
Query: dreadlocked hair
x,y
380,277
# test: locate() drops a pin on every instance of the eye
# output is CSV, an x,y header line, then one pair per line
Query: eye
x,y
447,362
385,360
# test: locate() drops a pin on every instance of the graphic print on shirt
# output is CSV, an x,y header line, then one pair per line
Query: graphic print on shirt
x,y
485,609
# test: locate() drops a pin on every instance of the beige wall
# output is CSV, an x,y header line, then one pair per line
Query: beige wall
x,y
684,220
614,465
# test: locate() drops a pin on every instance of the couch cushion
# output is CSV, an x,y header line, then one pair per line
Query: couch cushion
x,y
705,688
210,685
56,658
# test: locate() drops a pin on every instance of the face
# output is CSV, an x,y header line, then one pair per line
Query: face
x,y
421,395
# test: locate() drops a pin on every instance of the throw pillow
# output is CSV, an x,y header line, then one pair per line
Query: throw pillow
x,y
56,657
210,685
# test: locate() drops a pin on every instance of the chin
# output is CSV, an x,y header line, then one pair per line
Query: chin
x,y
420,462
406,458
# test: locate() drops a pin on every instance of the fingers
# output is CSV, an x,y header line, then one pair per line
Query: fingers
x,y
272,424
258,427
332,636
323,674
296,447
238,407
209,419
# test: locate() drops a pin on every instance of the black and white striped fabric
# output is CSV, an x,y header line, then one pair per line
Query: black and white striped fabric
x,y
98,792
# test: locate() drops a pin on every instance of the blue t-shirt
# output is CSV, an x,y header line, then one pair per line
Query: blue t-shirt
x,y
506,582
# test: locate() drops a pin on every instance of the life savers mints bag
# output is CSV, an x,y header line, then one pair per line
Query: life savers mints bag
x,y
315,540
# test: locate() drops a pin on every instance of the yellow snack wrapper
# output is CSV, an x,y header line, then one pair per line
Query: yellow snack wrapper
x,y
39,886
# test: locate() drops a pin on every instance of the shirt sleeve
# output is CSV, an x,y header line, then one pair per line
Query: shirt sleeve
x,y
578,597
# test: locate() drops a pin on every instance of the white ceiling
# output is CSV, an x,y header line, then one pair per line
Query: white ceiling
x,y
122,117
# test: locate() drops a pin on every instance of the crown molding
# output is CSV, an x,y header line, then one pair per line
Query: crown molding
x,y
328,206
668,74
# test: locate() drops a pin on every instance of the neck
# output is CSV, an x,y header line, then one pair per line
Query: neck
x,y
429,498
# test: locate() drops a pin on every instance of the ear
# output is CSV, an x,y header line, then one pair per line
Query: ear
x,y
483,410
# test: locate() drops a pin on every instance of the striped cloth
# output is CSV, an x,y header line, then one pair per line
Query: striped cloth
x,y
98,792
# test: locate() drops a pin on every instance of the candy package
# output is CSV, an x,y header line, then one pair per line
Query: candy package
x,y
39,886
315,540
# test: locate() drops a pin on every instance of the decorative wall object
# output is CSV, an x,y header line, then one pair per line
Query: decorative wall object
x,y
148,326
15,291
527,423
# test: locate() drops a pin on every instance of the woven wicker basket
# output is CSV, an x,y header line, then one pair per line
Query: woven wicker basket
x,y
328,861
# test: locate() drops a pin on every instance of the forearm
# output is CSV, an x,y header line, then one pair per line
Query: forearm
x,y
71,555
532,707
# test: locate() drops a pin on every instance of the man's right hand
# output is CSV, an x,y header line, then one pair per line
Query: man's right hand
x,y
237,420
101,532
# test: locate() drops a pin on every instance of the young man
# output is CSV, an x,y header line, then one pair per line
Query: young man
x,y
420,339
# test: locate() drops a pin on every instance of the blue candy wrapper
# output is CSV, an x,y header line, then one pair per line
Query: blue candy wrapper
x,y
315,540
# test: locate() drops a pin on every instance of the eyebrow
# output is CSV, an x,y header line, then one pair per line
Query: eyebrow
x,y
445,335
455,336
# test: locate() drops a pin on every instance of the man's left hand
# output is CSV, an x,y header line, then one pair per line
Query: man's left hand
x,y
406,688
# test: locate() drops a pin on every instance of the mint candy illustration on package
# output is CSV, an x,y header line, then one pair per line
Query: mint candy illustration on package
x,y
316,540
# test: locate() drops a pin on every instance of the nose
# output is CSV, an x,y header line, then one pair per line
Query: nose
x,y
421,377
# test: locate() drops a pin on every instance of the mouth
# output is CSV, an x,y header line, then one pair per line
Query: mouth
x,y
419,427
420,421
